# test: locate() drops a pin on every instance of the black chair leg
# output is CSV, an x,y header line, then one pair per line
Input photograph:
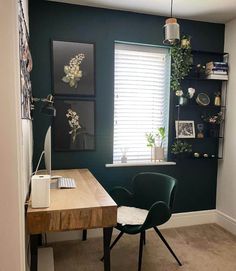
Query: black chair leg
x,y
84,238
114,242
167,245
142,237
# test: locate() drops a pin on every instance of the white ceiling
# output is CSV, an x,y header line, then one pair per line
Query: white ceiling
x,y
217,11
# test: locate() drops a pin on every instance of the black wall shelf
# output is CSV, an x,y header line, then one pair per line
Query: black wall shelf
x,y
213,140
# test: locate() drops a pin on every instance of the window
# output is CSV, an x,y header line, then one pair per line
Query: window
x,y
141,98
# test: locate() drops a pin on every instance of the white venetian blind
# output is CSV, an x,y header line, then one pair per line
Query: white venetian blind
x,y
141,98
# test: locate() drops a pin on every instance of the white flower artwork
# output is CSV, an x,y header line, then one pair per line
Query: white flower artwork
x,y
73,71
73,120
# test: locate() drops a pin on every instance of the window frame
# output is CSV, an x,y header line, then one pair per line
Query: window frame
x,y
166,52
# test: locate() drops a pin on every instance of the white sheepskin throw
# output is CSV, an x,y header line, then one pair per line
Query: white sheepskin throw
x,y
131,215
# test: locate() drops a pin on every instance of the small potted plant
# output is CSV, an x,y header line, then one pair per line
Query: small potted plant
x,y
213,123
155,141
181,148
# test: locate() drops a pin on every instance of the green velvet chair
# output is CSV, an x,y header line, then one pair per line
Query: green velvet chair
x,y
151,191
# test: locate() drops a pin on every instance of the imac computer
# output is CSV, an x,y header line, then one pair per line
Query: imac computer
x,y
47,154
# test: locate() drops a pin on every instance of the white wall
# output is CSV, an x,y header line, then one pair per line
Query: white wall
x,y
15,146
226,189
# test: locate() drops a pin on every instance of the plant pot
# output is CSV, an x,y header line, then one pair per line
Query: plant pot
x,y
183,100
157,154
182,156
185,42
213,130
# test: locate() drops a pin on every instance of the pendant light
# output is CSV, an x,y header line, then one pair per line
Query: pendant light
x,y
171,30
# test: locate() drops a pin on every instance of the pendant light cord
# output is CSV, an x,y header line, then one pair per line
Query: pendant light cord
x,y
171,8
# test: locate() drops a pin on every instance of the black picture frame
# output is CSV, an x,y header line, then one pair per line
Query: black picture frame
x,y
67,135
73,68
185,129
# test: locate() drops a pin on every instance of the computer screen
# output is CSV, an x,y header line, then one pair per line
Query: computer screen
x,y
46,152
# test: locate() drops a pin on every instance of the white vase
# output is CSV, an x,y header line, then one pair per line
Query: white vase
x,y
123,159
157,154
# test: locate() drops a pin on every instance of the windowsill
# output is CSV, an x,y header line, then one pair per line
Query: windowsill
x,y
141,164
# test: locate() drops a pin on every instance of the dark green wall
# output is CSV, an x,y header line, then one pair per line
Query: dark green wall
x,y
48,21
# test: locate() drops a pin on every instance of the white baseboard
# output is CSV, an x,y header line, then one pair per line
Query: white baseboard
x,y
226,222
177,220
190,219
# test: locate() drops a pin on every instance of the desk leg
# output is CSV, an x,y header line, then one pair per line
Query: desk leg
x,y
107,232
84,238
35,242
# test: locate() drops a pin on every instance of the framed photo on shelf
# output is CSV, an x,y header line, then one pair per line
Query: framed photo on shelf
x,y
185,129
74,125
73,68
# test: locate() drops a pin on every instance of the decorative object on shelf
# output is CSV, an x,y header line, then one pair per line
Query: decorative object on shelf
x,y
73,68
217,70
191,92
183,100
184,97
203,99
200,128
74,125
217,100
181,148
155,141
213,122
203,155
200,70
171,29
213,119
124,156
184,129
181,62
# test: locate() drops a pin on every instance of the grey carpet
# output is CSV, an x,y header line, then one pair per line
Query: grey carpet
x,y
200,248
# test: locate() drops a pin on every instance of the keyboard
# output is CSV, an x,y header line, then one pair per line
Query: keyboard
x,y
64,182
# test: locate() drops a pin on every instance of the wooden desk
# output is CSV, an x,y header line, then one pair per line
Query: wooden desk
x,y
86,207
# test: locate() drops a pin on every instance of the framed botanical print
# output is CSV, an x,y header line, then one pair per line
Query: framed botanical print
x,y
73,68
185,129
74,125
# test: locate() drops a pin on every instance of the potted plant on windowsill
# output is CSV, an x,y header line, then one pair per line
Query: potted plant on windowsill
x,y
155,141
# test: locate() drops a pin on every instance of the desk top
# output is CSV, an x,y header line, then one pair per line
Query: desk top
x,y
86,206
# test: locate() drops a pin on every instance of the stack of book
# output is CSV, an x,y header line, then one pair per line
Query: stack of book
x,y
217,70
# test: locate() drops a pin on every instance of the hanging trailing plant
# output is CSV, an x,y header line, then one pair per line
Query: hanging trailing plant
x,y
181,62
